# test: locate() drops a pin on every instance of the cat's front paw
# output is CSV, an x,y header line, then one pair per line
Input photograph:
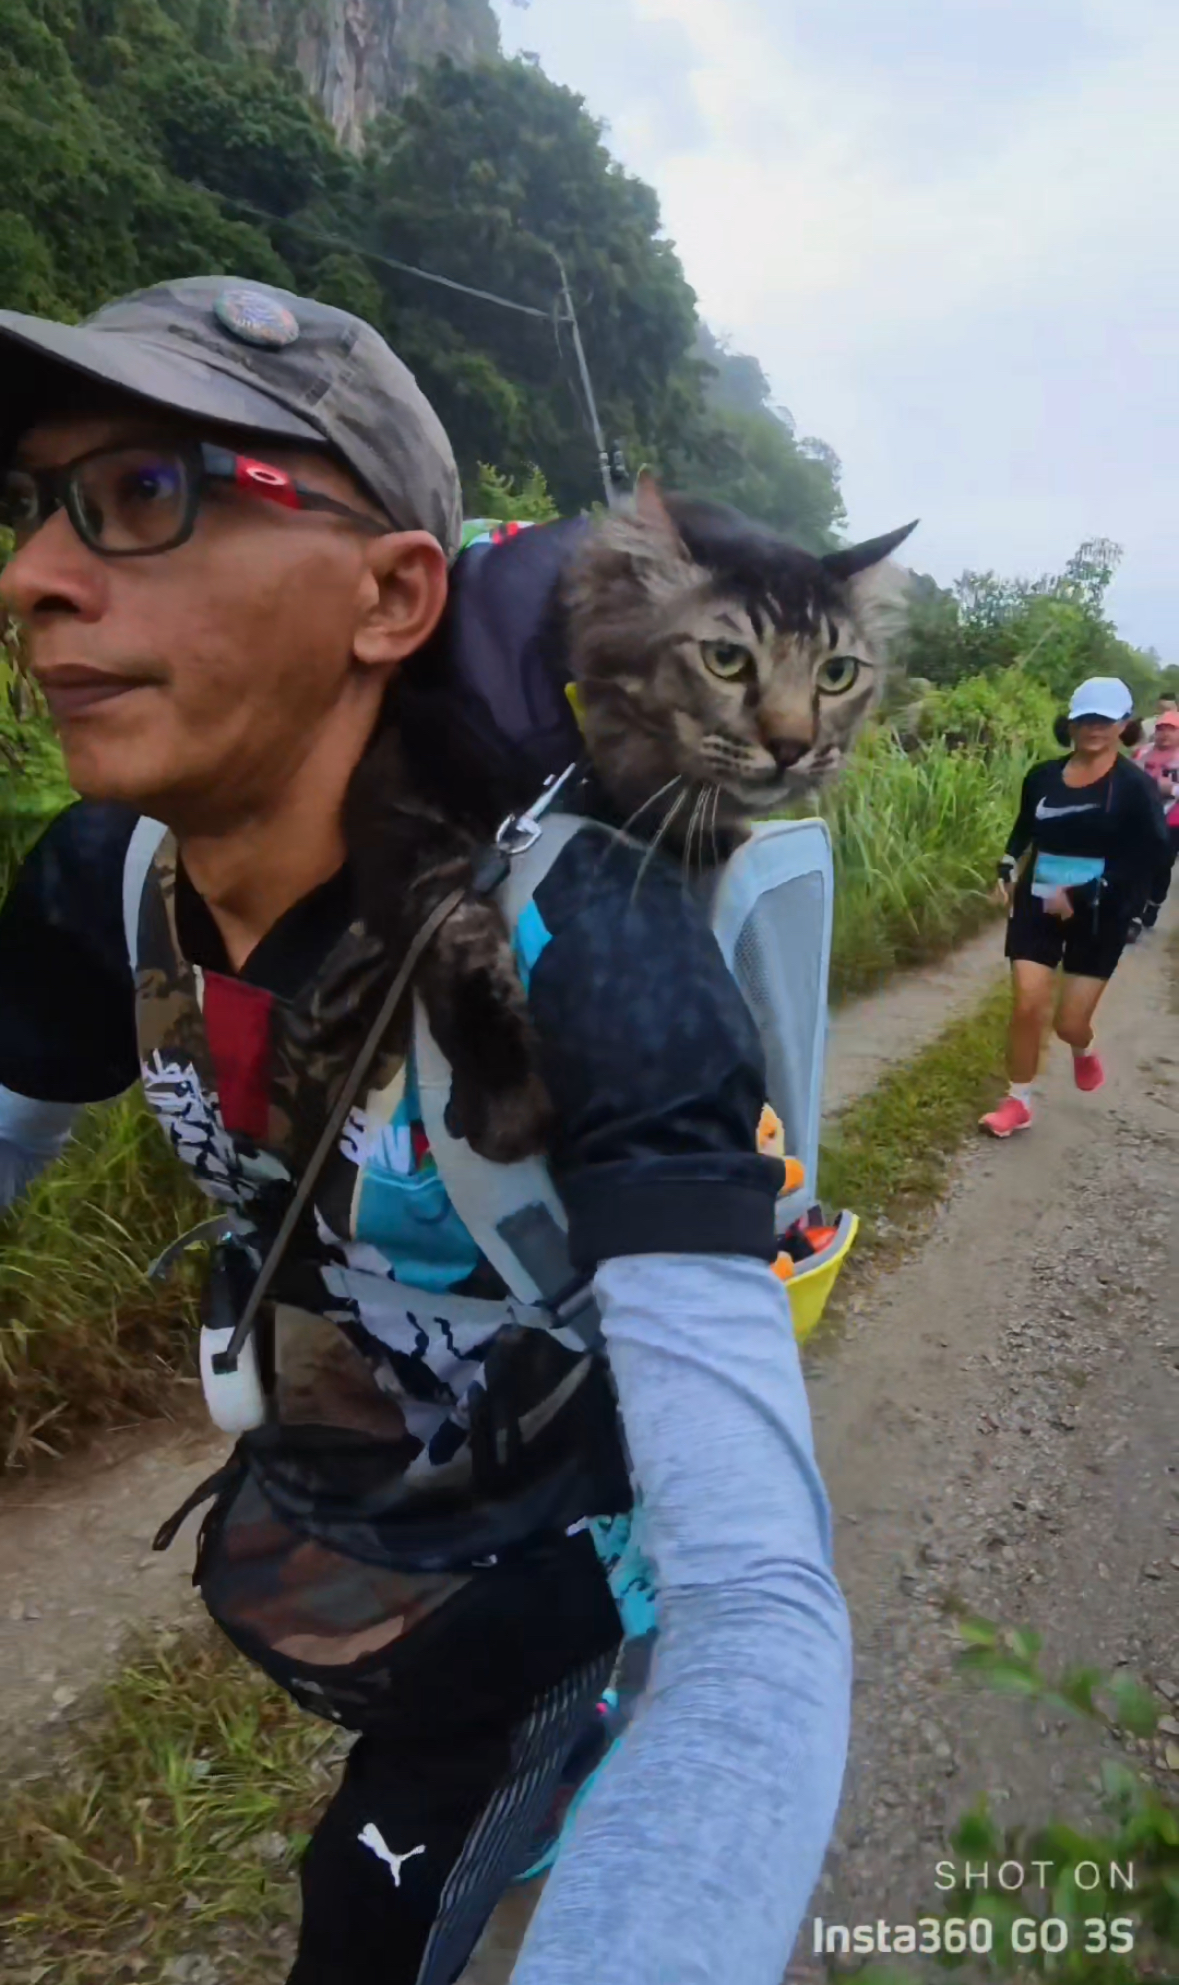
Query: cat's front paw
x,y
506,1124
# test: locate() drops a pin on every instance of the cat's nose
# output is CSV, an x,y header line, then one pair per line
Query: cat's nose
x,y
786,751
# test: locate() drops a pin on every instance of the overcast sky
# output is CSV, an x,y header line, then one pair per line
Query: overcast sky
x,y
949,229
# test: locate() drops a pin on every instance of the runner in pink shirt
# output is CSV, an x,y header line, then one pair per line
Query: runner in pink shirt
x,y
1160,759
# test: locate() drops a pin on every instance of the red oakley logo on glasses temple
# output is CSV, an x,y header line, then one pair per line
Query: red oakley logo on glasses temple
x,y
264,480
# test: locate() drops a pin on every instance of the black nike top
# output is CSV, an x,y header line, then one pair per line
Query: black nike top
x,y
650,1053
1118,820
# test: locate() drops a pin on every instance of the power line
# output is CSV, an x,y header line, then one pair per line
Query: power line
x,y
373,254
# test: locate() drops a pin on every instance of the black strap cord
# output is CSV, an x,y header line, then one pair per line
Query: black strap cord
x,y
226,1360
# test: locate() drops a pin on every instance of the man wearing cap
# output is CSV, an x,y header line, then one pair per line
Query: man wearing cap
x,y
1076,874
234,518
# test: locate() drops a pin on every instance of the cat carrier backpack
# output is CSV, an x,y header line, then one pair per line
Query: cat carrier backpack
x,y
770,907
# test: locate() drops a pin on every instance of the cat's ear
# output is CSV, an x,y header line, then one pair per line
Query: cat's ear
x,y
857,558
645,536
651,509
878,590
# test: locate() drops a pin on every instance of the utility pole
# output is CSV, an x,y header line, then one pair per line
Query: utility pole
x,y
587,383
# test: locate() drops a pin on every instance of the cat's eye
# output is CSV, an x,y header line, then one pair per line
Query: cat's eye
x,y
838,674
729,660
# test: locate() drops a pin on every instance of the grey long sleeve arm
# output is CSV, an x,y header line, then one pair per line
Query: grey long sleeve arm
x,y
32,1135
695,1855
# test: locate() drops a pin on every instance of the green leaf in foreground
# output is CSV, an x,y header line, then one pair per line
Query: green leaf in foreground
x,y
1134,1707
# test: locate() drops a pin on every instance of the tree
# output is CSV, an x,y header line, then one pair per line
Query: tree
x,y
1053,628
481,176
239,129
753,458
138,138
758,468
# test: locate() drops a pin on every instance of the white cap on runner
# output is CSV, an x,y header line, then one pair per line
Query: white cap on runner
x,y
1102,696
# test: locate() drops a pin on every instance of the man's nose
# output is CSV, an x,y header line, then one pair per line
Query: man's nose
x,y
54,573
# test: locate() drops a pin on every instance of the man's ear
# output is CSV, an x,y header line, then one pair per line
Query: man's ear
x,y
402,595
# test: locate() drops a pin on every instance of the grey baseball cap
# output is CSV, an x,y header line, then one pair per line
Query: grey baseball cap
x,y
246,355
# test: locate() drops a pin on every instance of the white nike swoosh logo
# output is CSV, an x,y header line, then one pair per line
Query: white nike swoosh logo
x,y
1054,812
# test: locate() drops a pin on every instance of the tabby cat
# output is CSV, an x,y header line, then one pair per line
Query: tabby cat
x,y
720,674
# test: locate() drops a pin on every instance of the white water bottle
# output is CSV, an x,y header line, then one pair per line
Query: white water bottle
x,y
236,1400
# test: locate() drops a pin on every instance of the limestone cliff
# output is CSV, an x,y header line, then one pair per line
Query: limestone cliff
x,y
358,57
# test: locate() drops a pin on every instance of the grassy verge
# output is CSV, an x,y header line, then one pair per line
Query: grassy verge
x,y
170,1830
85,1339
173,1827
888,1155
915,839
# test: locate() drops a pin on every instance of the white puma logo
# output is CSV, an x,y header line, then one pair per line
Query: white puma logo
x,y
373,1839
1045,812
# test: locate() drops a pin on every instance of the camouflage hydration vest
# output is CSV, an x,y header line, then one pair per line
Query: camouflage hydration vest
x,y
389,1319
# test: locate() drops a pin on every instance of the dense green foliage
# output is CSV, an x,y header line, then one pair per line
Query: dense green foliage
x,y
137,143
1053,629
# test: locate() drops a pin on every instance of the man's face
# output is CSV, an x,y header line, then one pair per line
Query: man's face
x,y
195,683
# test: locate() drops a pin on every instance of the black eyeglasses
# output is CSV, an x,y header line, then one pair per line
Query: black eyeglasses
x,y
134,501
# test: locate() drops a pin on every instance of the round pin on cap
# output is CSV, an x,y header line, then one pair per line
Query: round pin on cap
x,y
256,318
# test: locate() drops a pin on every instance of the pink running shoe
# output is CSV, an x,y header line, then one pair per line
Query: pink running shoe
x,y
1011,1115
1088,1072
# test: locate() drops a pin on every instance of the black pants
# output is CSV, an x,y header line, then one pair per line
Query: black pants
x,y
1162,881
441,1803
416,1849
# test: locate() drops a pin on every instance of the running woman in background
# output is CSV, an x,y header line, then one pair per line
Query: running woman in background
x,y
1160,762
1085,848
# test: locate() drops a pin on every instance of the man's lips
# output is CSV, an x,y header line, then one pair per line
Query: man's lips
x,y
70,691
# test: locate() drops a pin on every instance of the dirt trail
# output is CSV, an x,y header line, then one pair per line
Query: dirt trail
x,y
1000,1424
867,1036
76,1567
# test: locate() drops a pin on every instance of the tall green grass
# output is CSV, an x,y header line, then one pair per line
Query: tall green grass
x,y
917,832
916,840
85,1339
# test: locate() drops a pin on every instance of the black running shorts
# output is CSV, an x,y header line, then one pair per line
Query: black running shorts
x,y
1086,947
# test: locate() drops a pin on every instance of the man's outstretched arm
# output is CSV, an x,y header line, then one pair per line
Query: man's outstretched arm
x,y
67,1001
696,1853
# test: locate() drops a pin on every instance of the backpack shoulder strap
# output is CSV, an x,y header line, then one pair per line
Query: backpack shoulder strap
x,y
141,849
513,1213
772,917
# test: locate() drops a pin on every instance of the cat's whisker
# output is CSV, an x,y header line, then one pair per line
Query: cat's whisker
x,y
716,795
694,822
640,810
611,847
649,857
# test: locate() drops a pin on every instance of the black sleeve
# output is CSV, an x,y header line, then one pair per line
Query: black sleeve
x,y
654,1064
1023,833
67,999
1142,842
